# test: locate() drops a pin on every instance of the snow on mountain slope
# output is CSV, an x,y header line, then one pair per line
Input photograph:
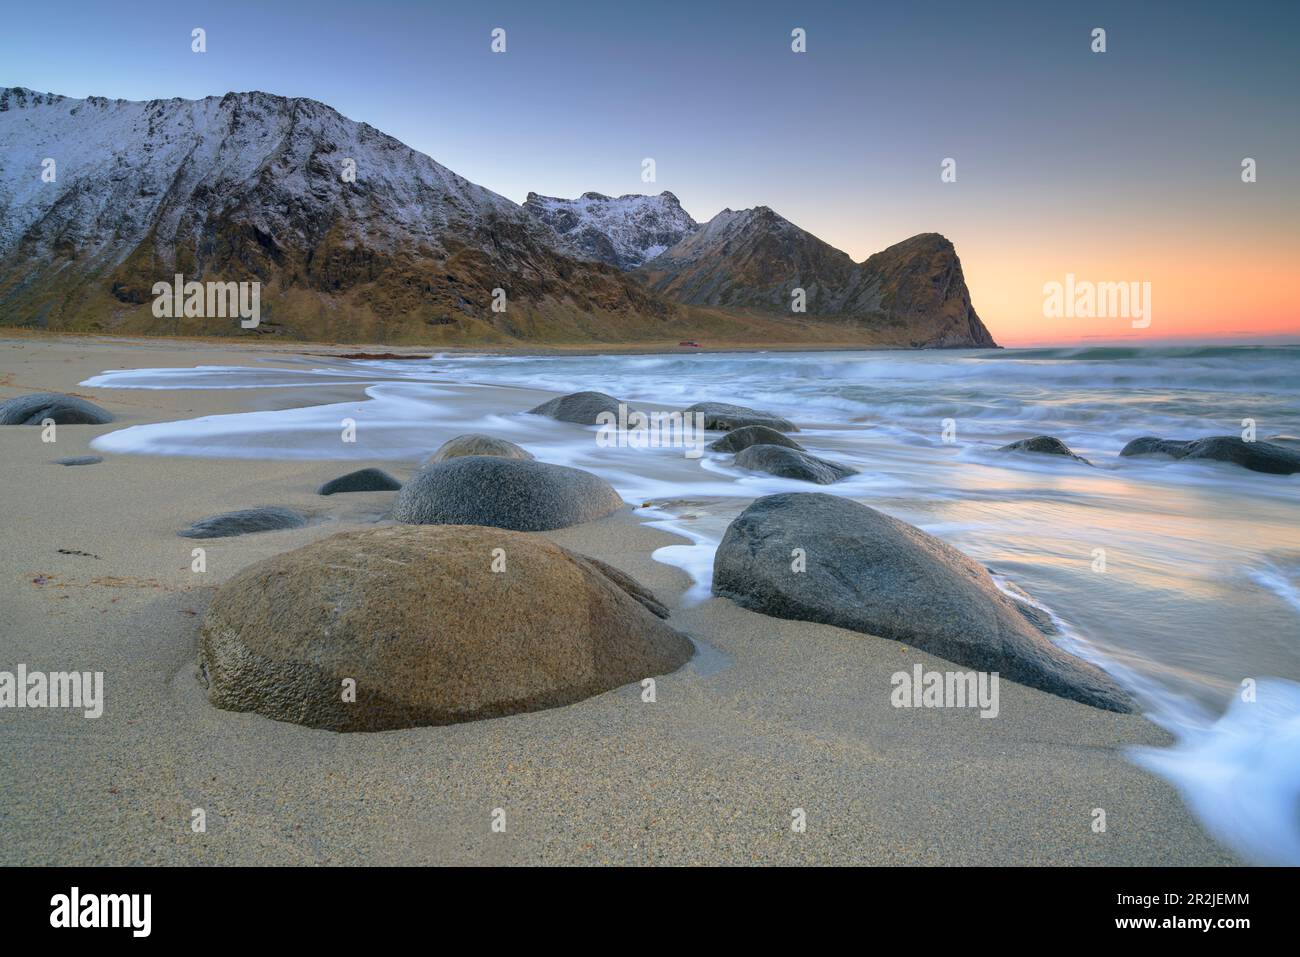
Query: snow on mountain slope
x,y
102,199
170,148
251,186
623,231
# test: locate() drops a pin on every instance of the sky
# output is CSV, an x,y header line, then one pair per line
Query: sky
x,y
1122,166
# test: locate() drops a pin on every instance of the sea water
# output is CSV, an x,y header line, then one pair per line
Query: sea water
x,y
1182,579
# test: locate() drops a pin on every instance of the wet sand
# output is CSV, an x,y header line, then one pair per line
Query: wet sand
x,y
771,717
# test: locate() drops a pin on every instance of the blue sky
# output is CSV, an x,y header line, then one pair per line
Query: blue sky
x,y
1051,140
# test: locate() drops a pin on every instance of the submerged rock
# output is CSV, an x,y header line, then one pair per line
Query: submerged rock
x,y
475,443
79,460
1256,456
742,438
362,480
874,574
719,416
417,623
792,463
580,407
35,408
1150,445
1044,445
245,521
523,495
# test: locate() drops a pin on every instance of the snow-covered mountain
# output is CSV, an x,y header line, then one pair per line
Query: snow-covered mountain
x,y
355,237
623,231
251,186
212,150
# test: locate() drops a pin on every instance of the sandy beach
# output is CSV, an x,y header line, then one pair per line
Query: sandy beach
x,y
769,717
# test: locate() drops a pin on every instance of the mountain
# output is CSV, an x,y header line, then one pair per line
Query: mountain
x,y
102,199
623,231
913,293
917,286
250,186
751,259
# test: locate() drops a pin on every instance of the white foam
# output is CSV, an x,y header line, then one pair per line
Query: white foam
x,y
1279,583
695,559
1240,774
392,422
222,377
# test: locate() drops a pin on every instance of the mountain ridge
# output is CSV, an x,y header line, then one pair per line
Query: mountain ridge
x,y
622,231
756,259
250,186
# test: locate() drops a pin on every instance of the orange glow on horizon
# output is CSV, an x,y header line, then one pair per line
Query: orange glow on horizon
x,y
1196,292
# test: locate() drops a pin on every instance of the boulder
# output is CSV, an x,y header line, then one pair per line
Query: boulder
x,y
417,621
1150,445
1256,456
474,443
580,407
792,463
35,408
719,416
738,439
362,480
268,519
79,460
519,494
1044,445
874,574
630,585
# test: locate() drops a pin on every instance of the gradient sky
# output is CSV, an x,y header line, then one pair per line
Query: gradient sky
x,y
1122,166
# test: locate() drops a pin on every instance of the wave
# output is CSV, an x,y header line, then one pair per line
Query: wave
x,y
1161,627
1119,353
1285,584
1240,774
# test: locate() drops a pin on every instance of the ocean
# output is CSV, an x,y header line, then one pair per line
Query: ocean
x,y
1182,579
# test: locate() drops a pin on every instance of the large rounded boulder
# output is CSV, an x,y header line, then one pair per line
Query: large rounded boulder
x,y
580,407
792,463
737,440
720,416
401,626
523,495
475,443
874,574
35,408
1257,456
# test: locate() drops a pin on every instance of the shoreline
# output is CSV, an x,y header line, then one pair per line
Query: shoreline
x,y
773,715
307,347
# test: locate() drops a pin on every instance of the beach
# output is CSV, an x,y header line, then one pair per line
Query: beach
x,y
771,716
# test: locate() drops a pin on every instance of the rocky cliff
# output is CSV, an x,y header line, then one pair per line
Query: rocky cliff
x,y
913,293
